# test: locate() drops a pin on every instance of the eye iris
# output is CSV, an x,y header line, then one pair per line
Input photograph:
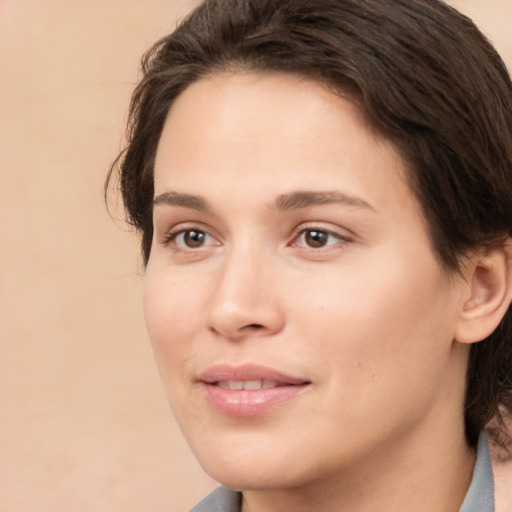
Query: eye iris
x,y
194,238
316,238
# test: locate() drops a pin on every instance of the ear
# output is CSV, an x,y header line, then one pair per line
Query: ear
x,y
490,286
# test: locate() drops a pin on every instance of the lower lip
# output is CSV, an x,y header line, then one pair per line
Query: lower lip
x,y
245,403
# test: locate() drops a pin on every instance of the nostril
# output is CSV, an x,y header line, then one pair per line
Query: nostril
x,y
254,326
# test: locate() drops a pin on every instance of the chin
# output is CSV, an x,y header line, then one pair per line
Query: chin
x,y
256,466
253,478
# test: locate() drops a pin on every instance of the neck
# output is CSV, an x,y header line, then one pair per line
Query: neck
x,y
413,475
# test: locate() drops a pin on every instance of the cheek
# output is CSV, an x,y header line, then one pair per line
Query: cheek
x,y
173,313
380,349
386,323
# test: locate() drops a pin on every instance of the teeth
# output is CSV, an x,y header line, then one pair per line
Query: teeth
x,y
250,385
235,385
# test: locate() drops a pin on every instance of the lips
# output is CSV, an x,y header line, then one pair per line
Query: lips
x,y
249,390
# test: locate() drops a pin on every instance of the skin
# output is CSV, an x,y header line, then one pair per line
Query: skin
x,y
369,318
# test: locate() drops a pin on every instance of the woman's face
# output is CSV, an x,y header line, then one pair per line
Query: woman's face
x,y
301,322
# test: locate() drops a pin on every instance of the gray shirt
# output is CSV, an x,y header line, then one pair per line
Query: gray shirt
x,y
479,498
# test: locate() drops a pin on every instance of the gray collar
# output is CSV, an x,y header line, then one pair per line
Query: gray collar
x,y
220,500
479,498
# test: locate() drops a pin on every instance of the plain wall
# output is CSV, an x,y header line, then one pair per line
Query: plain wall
x,y
84,426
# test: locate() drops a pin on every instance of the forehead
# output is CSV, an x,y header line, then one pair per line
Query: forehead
x,y
272,133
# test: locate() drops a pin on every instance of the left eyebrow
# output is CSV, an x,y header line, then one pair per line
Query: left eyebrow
x,y
303,199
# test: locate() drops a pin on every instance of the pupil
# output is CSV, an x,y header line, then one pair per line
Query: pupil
x,y
316,238
194,238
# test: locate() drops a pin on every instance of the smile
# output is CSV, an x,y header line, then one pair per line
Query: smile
x,y
249,390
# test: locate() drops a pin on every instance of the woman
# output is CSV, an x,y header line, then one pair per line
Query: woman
x,y
324,194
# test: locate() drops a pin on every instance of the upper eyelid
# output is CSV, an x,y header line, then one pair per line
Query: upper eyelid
x,y
173,215
170,235
338,237
170,218
339,231
170,227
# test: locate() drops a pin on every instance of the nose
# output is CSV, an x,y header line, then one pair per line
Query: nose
x,y
245,302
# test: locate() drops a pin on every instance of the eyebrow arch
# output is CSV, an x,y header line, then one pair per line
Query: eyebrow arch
x,y
171,198
303,199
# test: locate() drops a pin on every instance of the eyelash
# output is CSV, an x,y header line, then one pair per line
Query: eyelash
x,y
172,236
303,230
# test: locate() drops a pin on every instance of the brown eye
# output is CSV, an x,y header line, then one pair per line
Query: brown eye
x,y
193,238
190,239
316,239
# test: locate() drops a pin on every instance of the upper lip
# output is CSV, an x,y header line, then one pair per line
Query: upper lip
x,y
246,372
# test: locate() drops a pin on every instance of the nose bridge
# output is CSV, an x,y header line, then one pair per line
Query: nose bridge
x,y
245,296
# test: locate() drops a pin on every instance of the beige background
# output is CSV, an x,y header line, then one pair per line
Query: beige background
x,y
84,426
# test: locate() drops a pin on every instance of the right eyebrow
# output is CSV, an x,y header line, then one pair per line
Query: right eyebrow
x,y
171,198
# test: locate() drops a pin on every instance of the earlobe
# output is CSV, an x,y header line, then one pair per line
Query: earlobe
x,y
490,280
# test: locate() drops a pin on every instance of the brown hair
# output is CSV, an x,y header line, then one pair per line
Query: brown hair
x,y
423,74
